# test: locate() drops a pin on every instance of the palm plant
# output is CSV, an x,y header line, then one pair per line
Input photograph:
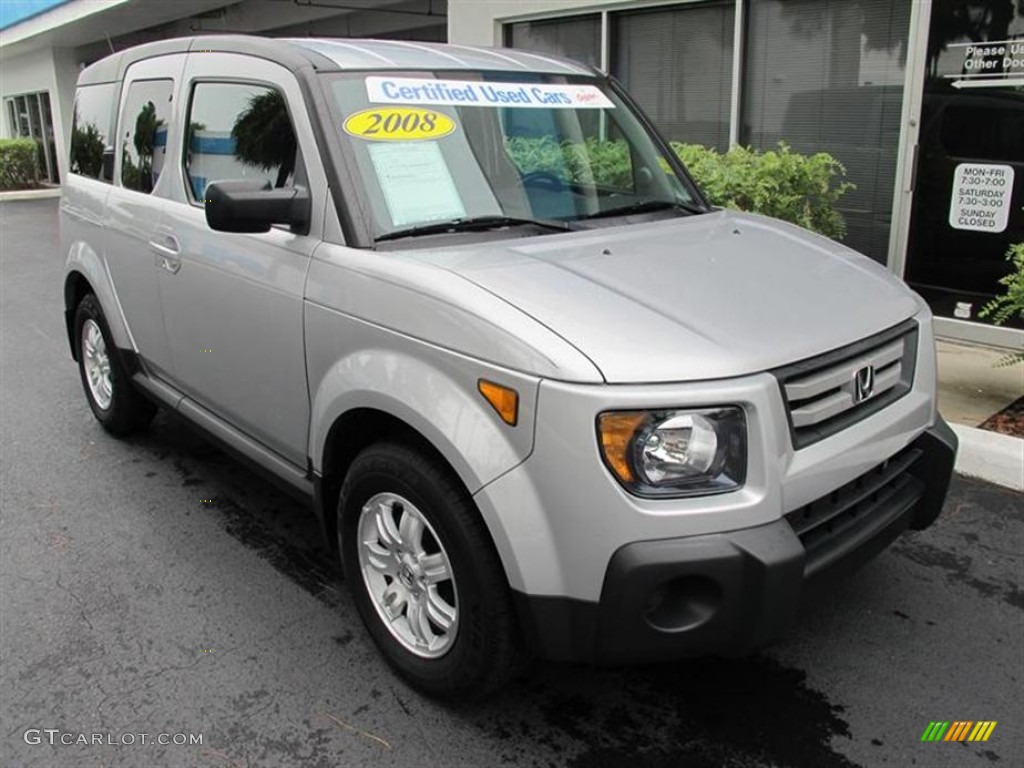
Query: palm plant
x,y
264,137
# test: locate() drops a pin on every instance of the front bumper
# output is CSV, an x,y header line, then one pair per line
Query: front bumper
x,y
730,593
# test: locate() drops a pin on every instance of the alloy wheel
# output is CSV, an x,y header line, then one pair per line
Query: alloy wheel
x,y
408,575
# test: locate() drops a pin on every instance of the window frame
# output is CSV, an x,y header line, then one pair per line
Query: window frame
x,y
194,84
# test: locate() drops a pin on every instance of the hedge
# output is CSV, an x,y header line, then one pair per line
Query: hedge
x,y
802,189
18,163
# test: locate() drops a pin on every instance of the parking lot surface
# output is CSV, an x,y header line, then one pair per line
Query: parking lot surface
x,y
154,586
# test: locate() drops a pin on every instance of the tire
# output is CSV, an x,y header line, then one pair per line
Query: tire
x,y
481,649
115,403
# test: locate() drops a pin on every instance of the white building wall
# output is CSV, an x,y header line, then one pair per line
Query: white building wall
x,y
478,22
29,73
45,69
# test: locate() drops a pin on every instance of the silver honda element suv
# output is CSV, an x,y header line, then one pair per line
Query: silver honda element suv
x,y
544,398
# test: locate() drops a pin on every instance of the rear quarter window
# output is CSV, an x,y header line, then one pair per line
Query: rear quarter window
x,y
91,129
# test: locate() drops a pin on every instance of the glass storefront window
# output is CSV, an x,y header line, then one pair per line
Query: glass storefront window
x,y
31,118
575,37
827,76
677,63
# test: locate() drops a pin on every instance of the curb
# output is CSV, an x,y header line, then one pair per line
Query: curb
x,y
30,194
990,456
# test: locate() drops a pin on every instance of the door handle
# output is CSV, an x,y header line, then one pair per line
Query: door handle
x,y
167,251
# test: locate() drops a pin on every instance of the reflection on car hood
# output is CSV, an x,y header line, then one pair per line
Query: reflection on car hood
x,y
711,296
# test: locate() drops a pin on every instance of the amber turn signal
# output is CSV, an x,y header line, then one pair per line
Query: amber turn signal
x,y
503,399
617,430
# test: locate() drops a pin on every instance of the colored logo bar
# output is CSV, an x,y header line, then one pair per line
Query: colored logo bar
x,y
958,730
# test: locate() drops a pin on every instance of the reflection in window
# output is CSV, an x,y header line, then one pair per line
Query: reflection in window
x,y
238,131
144,123
589,159
87,145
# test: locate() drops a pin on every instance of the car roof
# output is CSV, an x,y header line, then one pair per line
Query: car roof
x,y
338,54
402,54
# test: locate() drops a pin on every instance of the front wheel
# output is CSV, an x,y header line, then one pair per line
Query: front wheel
x,y
425,575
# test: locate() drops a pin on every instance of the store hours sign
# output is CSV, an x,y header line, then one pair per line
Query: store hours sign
x,y
981,197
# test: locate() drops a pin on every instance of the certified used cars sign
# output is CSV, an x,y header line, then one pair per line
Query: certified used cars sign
x,y
411,90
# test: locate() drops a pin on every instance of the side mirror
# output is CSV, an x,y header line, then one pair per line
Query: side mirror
x,y
252,205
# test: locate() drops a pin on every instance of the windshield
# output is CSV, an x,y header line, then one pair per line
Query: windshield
x,y
484,149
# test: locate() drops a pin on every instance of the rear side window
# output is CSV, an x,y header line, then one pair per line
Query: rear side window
x,y
143,138
238,131
90,130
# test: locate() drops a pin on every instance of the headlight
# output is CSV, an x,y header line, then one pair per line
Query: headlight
x,y
676,453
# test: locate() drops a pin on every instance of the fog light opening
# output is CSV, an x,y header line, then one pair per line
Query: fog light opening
x,y
683,603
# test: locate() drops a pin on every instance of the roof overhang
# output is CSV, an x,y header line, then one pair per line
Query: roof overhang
x,y
80,22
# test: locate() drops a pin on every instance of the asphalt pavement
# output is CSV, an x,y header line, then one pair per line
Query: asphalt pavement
x,y
154,586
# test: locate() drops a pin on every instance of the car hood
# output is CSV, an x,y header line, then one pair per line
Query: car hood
x,y
709,296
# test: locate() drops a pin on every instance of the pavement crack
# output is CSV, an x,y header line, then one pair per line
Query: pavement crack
x,y
366,734
78,600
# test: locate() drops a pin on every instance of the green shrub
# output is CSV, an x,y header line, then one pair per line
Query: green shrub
x,y
18,163
801,189
1010,304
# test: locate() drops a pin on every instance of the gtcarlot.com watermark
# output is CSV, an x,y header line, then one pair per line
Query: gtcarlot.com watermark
x,y
55,736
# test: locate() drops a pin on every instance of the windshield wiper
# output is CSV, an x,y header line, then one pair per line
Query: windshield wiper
x,y
645,206
471,224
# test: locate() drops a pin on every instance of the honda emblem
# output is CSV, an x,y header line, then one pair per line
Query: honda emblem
x,y
863,383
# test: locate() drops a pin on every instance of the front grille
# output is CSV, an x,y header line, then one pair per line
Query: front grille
x,y
834,525
822,394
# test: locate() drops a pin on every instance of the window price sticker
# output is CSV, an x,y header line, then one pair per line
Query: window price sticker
x,y
981,197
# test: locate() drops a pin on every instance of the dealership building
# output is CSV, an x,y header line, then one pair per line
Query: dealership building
x,y
921,100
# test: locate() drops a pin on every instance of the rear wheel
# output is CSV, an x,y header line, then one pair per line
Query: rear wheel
x,y
115,403
425,575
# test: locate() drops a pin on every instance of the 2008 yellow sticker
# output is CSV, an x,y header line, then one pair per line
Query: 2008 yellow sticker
x,y
398,124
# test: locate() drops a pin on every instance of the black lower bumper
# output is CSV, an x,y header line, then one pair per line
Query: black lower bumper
x,y
731,593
